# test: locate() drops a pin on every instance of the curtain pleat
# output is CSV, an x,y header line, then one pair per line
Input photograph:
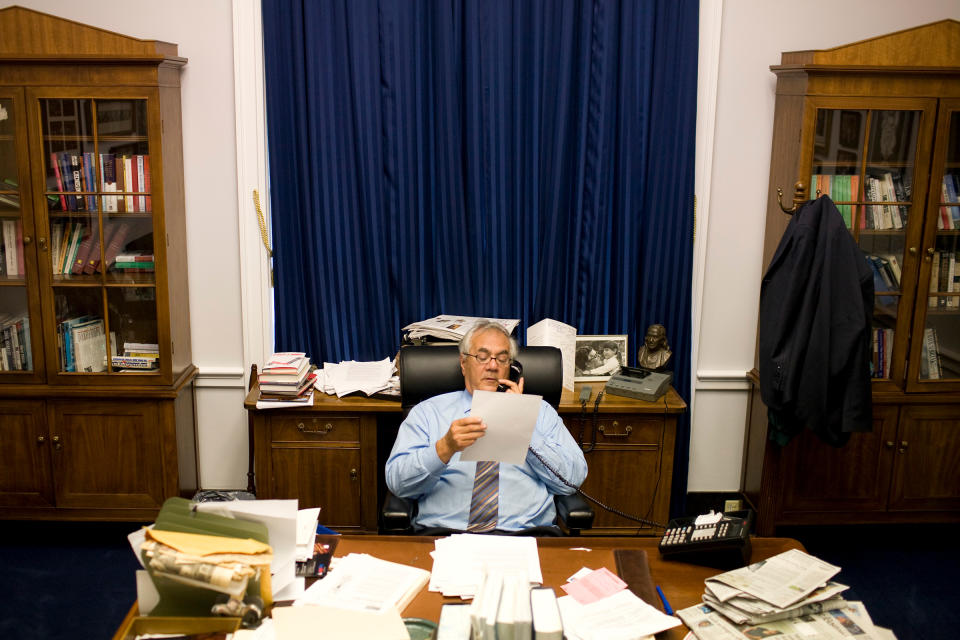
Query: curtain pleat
x,y
507,159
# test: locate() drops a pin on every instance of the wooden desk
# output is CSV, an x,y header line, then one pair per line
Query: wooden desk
x,y
331,455
559,559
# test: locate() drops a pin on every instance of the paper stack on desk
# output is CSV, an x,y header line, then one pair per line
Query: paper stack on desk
x,y
362,582
460,560
349,377
790,593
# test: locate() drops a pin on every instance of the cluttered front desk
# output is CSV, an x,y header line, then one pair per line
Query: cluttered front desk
x,y
635,560
331,454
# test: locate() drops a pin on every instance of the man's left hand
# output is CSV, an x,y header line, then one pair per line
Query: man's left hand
x,y
512,387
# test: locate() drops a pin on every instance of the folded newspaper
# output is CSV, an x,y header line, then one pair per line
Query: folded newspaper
x,y
789,595
448,328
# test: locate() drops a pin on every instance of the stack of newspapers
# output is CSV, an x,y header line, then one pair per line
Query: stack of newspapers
x,y
446,329
790,594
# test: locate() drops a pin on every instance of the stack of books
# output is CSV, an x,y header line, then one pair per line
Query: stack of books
x,y
137,356
790,594
287,377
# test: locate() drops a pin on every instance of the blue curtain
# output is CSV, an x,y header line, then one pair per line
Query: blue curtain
x,y
524,159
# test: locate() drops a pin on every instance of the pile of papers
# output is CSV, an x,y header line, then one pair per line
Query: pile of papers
x,y
349,377
446,328
790,593
460,561
286,380
599,606
362,582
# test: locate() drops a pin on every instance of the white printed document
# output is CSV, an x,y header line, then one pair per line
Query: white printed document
x,y
510,419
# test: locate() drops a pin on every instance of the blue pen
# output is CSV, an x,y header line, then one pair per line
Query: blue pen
x,y
666,605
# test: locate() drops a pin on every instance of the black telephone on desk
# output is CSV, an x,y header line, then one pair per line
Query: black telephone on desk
x,y
720,540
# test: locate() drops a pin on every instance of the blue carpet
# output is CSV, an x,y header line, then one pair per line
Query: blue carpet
x,y
65,580
908,576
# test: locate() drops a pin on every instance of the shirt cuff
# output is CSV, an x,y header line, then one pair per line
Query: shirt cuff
x,y
431,461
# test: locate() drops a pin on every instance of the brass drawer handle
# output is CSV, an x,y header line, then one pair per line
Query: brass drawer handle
x,y
57,445
353,474
321,431
626,431
903,446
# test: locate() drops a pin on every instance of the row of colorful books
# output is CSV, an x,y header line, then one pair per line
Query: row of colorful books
x,y
15,352
12,265
884,186
949,192
944,278
286,377
75,250
77,173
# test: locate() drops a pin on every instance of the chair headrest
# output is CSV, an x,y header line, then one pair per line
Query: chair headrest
x,y
427,371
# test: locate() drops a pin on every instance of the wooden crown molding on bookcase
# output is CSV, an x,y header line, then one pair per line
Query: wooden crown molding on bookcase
x,y
929,46
26,34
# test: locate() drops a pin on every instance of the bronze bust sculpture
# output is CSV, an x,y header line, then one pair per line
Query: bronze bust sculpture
x,y
655,352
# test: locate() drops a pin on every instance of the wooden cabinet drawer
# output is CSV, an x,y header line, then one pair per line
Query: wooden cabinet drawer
x,y
619,429
315,428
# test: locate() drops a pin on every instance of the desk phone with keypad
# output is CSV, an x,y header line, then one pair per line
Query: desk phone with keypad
x,y
714,539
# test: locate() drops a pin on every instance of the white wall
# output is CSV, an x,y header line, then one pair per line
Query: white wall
x,y
752,35
203,31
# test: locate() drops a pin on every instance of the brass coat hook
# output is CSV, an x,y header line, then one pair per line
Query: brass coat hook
x,y
799,197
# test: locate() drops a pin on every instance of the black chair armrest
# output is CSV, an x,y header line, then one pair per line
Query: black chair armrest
x,y
573,512
397,514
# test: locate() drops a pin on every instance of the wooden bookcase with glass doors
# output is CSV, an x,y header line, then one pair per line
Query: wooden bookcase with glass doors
x,y
96,396
876,126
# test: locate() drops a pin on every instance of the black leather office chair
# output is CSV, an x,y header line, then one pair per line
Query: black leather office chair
x,y
427,371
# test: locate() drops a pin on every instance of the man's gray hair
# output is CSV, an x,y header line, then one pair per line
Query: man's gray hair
x,y
486,325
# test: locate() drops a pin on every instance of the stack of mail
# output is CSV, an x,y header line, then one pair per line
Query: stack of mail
x,y
460,561
790,593
349,377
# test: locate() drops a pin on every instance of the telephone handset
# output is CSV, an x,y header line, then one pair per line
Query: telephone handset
x,y
516,372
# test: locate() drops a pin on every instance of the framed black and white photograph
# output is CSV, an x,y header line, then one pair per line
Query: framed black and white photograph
x,y
598,357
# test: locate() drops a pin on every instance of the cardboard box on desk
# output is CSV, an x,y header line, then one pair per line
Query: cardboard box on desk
x,y
184,530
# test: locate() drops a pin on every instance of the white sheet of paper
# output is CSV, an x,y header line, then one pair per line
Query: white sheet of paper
x,y
510,419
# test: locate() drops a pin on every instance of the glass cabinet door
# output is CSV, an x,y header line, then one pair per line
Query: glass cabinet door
x,y
939,304
100,227
865,160
19,356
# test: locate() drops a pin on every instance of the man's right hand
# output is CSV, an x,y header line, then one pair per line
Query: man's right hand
x,y
461,434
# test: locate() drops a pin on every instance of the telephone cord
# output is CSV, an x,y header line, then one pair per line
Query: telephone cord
x,y
649,523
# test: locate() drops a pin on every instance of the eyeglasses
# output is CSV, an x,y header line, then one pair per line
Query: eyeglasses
x,y
484,358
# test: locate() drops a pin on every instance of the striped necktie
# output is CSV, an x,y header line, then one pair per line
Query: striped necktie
x,y
483,504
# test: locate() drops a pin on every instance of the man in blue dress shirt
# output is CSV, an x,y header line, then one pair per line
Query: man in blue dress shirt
x,y
425,461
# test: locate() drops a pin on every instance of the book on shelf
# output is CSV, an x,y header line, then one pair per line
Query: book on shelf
x,y
89,346
134,362
88,167
83,250
108,181
284,391
141,185
118,240
127,183
11,249
930,355
152,347
77,182
92,263
55,165
148,202
65,339
73,248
